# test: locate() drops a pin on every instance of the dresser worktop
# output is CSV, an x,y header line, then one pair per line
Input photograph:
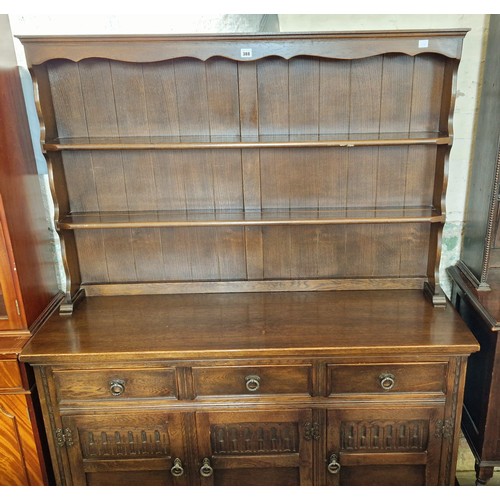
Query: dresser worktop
x,y
321,323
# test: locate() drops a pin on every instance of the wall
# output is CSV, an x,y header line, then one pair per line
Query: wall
x,y
468,90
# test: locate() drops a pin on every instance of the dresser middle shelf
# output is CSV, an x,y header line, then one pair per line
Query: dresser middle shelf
x,y
247,141
295,216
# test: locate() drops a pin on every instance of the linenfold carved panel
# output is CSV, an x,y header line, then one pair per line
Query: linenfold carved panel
x,y
385,435
251,438
122,443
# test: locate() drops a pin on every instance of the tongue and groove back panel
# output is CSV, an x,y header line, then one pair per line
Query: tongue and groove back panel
x,y
219,97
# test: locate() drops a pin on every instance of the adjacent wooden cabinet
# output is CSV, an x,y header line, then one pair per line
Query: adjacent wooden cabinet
x,y
476,277
480,256
23,447
251,232
28,286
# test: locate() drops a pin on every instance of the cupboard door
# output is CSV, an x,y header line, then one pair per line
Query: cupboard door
x,y
383,447
255,448
124,449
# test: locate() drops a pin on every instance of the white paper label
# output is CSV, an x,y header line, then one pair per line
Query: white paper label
x,y
246,52
423,44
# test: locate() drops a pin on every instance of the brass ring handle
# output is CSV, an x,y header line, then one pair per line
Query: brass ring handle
x,y
252,382
177,469
333,465
387,381
206,469
117,387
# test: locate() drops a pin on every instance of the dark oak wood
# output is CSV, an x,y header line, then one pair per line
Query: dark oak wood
x,y
346,45
198,137
212,142
408,377
197,218
252,380
299,345
147,460
252,234
384,447
256,448
254,324
89,385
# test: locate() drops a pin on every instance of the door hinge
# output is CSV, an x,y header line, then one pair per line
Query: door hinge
x,y
18,309
311,431
64,437
444,429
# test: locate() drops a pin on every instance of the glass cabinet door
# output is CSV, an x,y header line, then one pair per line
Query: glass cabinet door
x,y
10,318
3,310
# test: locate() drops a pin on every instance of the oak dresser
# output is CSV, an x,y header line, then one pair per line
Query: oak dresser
x,y
251,230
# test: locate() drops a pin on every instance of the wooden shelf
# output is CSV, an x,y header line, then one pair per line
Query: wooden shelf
x,y
242,142
266,217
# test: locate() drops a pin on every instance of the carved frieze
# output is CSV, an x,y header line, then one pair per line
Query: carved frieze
x,y
124,443
385,435
251,438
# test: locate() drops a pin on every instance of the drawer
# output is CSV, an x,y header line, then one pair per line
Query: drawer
x,y
10,375
116,383
386,378
255,380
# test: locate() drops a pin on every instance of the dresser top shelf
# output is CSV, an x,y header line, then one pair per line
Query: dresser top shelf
x,y
203,326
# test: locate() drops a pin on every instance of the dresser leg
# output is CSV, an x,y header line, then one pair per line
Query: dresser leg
x,y
483,474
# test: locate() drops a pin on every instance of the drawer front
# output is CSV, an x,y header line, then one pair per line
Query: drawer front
x,y
387,378
116,384
252,380
10,375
